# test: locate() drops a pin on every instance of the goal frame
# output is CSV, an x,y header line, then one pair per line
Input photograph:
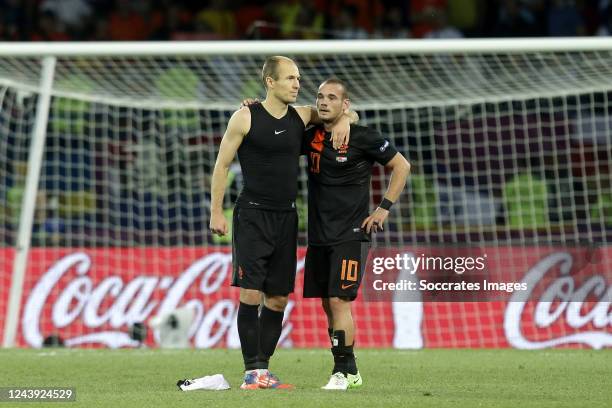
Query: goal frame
x,y
49,52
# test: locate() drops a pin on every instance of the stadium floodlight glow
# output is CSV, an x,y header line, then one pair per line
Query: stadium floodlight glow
x,y
133,130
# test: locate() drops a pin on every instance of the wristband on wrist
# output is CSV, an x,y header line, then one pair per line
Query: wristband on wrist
x,y
385,204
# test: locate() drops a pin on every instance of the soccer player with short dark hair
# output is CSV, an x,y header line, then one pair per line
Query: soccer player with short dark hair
x,y
267,137
339,223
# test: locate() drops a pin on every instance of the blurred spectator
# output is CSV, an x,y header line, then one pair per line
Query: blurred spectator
x,y
219,17
127,23
539,11
591,15
392,24
49,28
136,20
12,20
515,20
311,22
345,26
441,28
564,20
245,17
423,15
605,11
176,25
285,13
366,12
100,30
155,14
466,15
297,20
73,14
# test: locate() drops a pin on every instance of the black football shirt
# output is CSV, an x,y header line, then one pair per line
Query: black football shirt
x,y
339,183
270,158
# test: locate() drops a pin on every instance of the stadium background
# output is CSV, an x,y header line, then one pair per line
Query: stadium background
x,y
123,199
139,20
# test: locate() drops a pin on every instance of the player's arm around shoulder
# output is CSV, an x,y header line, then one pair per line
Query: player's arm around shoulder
x,y
306,113
341,131
237,128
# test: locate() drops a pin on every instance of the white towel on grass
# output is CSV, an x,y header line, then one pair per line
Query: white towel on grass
x,y
210,382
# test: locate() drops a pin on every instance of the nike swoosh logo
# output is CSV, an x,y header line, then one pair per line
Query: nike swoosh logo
x,y
278,132
347,286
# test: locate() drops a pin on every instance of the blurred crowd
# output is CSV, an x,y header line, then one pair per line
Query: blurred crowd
x,y
147,20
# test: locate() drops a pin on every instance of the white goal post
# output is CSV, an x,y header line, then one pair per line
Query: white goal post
x,y
135,127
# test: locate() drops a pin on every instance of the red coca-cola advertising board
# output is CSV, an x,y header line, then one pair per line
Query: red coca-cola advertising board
x,y
90,298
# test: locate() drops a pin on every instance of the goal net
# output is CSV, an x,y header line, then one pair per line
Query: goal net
x,y
509,149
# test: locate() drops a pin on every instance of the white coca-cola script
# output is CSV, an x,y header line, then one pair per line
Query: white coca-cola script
x,y
561,298
131,302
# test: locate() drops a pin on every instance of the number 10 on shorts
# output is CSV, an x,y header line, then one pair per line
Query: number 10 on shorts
x,y
349,270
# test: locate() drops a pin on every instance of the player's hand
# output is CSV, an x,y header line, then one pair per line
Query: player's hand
x,y
249,102
341,132
375,221
218,223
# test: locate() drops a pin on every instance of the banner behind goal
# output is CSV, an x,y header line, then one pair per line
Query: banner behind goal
x,y
510,144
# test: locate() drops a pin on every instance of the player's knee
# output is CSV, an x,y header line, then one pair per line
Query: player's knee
x,y
339,306
250,296
276,303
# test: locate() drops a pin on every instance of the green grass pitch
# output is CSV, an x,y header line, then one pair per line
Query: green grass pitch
x,y
393,378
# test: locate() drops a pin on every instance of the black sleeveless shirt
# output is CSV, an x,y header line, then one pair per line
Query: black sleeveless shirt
x,y
269,157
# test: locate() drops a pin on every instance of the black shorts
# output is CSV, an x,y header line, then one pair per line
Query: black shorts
x,y
264,250
335,270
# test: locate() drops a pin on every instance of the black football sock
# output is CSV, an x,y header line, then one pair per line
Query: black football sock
x,y
351,364
330,333
270,328
248,331
341,352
